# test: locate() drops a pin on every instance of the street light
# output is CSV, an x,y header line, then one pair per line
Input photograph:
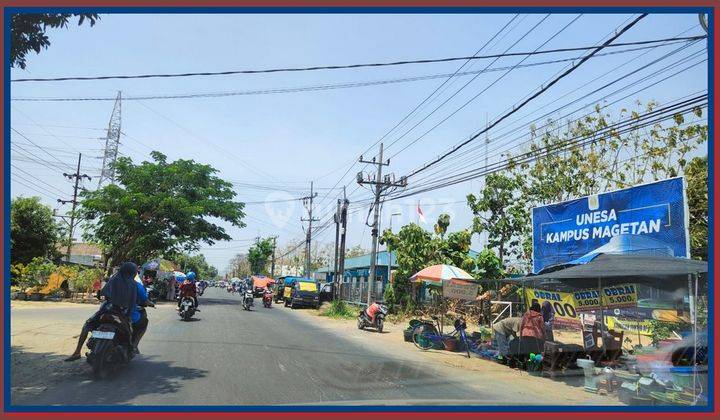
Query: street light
x,y
388,247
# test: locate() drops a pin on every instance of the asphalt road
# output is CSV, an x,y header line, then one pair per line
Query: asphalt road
x,y
227,356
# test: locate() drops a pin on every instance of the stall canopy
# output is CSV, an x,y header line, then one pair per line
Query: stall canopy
x,y
262,281
614,265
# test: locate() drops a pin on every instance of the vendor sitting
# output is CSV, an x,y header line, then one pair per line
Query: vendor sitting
x,y
503,332
532,331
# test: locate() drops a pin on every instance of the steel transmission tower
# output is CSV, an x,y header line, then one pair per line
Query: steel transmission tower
x,y
112,141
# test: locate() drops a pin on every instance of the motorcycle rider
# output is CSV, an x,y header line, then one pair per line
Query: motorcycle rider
x,y
268,294
372,310
188,289
119,291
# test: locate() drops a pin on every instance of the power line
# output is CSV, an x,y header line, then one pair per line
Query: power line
x,y
648,119
323,87
467,158
474,97
331,67
41,148
418,106
535,95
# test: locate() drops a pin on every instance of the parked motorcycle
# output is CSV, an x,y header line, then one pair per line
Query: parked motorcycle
x,y
110,344
187,308
364,320
267,299
248,299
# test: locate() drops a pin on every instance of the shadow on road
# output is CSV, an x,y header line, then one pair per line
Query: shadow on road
x,y
45,379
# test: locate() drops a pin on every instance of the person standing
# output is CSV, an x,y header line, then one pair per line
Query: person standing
x,y
548,314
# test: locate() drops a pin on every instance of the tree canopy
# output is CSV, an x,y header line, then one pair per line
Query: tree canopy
x,y
33,230
696,174
259,254
27,32
159,207
196,263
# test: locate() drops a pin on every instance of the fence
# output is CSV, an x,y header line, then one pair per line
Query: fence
x,y
355,291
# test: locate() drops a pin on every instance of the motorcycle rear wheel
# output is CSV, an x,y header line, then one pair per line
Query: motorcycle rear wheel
x,y
101,364
360,323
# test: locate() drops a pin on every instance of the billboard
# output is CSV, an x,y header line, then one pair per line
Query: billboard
x,y
650,218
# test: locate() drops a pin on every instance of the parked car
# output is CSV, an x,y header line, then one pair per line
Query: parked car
x,y
304,292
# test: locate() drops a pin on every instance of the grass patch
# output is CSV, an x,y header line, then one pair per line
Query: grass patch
x,y
338,309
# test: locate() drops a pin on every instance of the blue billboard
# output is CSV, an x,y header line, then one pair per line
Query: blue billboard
x,y
650,218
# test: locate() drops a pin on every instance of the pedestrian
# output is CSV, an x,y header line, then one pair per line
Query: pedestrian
x,y
171,289
548,314
503,331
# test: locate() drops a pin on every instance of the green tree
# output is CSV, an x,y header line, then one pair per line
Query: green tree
x,y
501,212
417,248
33,230
259,254
414,249
28,32
195,263
696,174
158,208
489,266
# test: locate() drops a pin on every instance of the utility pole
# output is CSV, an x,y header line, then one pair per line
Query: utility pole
x,y
308,203
340,274
380,185
77,176
272,264
336,218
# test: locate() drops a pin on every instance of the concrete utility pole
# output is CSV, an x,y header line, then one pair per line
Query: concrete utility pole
x,y
77,176
380,184
272,264
340,273
336,218
308,203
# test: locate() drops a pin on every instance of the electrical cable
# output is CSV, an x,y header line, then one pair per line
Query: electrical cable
x,y
535,95
326,67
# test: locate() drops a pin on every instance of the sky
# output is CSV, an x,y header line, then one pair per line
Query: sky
x,y
273,145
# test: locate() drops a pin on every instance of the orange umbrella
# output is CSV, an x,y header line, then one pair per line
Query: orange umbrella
x,y
435,274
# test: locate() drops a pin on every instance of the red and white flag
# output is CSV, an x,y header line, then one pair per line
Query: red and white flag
x,y
421,215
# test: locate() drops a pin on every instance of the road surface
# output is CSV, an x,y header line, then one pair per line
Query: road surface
x,y
227,356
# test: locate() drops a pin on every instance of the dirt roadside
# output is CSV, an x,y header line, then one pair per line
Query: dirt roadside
x,y
567,391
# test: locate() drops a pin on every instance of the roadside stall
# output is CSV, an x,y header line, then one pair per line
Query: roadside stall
x,y
449,288
260,284
598,299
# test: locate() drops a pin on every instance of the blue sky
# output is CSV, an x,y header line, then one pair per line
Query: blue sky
x,y
284,141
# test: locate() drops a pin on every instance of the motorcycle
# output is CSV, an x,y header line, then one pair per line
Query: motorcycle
x,y
267,299
187,308
364,320
110,344
248,299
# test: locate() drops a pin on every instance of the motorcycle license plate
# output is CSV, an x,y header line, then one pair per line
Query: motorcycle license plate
x,y
105,335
